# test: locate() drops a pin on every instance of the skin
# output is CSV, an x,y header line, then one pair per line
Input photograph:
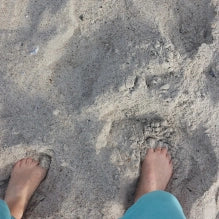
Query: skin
x,y
157,169
25,178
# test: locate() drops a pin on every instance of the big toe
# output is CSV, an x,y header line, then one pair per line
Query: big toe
x,y
158,149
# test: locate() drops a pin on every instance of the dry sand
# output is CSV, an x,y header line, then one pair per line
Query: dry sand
x,y
92,84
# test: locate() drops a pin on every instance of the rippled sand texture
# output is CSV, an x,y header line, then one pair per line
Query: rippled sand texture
x,y
92,84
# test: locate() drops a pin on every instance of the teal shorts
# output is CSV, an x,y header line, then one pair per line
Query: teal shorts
x,y
4,211
155,205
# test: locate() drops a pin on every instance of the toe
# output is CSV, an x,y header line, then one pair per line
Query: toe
x,y
164,150
29,161
171,165
18,163
150,150
168,156
23,162
34,162
158,149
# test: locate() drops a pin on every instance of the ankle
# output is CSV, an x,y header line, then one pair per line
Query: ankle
x,y
16,208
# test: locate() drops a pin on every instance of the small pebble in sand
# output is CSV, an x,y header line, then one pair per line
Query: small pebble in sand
x,y
81,17
34,51
158,129
211,72
56,112
157,124
165,87
164,123
151,142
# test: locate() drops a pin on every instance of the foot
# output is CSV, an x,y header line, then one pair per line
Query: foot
x,y
156,172
25,178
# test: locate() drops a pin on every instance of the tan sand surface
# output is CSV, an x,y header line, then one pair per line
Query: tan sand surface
x,y
90,85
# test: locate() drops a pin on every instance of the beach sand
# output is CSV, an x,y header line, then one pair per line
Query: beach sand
x,y
92,84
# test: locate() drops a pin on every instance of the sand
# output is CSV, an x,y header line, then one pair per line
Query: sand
x,y
92,84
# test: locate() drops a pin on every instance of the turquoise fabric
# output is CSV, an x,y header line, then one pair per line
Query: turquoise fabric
x,y
4,211
155,205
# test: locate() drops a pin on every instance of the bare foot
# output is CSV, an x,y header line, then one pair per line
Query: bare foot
x,y
157,169
25,178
